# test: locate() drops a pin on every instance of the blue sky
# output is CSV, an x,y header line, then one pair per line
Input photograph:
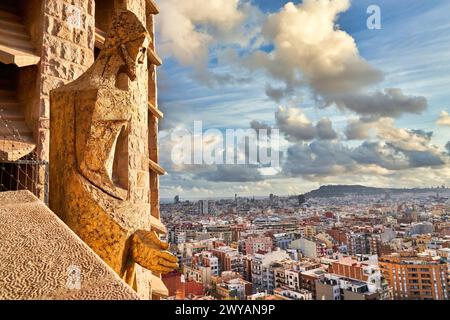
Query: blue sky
x,y
411,51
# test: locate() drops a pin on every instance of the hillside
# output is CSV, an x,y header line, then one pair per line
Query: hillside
x,y
344,190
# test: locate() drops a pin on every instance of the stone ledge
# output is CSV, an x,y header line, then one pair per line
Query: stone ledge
x,y
37,250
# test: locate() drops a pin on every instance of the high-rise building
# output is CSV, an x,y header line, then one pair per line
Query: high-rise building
x,y
176,199
415,277
203,207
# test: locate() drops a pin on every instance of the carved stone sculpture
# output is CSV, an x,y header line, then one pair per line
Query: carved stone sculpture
x,y
97,169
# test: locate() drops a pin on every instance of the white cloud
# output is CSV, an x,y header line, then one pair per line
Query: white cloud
x,y
194,31
385,129
444,119
309,49
183,27
297,127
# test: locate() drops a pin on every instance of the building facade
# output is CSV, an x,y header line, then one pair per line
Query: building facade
x,y
414,277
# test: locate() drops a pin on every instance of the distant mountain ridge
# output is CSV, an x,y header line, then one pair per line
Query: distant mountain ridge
x,y
344,190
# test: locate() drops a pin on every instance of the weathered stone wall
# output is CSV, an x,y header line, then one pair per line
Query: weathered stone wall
x,y
138,143
62,33
67,52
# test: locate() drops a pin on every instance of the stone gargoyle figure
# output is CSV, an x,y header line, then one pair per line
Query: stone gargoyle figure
x,y
99,169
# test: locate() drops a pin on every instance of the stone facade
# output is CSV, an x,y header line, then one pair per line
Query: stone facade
x,y
67,36
63,35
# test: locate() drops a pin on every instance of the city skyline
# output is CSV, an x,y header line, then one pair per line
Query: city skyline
x,y
355,247
436,189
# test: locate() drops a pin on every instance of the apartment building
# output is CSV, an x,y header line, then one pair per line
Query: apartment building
x,y
197,273
209,260
309,278
177,236
420,228
253,245
229,259
287,294
283,240
334,287
222,232
365,272
310,247
280,275
349,267
263,277
230,285
358,243
307,231
339,235
416,277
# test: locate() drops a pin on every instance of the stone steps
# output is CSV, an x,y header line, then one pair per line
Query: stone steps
x,y
15,129
10,108
15,43
12,149
8,15
6,93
